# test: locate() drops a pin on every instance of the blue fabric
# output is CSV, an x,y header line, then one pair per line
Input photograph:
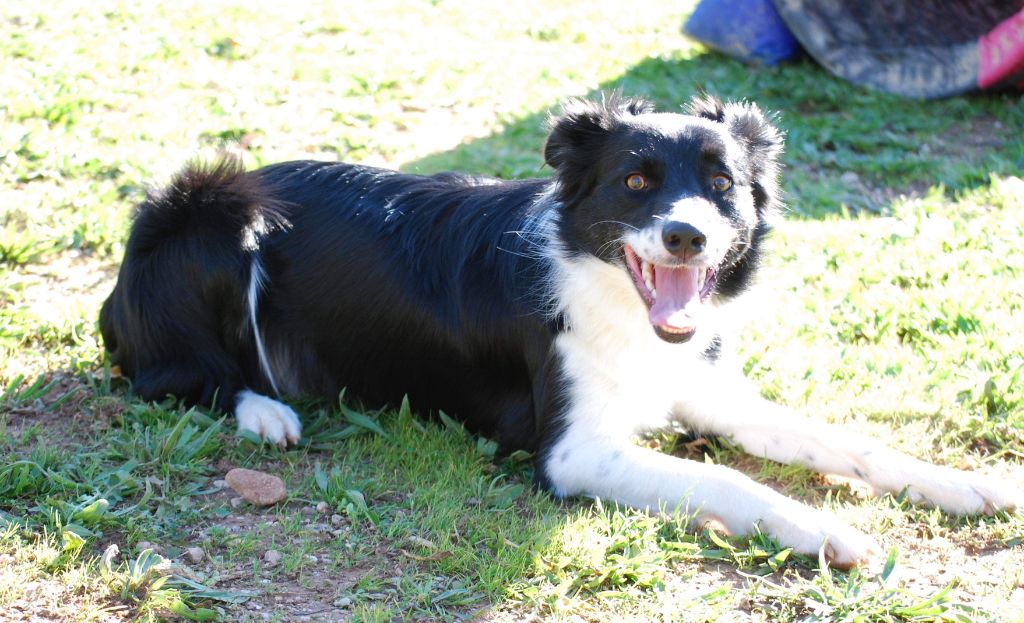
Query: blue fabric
x,y
750,30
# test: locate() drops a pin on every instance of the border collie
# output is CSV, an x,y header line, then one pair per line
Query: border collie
x,y
563,316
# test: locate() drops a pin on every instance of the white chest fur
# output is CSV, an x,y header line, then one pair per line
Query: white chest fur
x,y
619,369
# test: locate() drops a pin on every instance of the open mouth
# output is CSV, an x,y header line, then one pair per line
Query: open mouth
x,y
674,295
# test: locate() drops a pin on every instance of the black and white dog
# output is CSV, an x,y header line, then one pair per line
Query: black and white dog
x,y
564,316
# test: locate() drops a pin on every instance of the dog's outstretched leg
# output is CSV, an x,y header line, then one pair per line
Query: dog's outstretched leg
x,y
272,420
768,430
590,420
583,464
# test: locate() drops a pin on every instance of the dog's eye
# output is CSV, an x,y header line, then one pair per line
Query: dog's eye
x,y
721,183
635,181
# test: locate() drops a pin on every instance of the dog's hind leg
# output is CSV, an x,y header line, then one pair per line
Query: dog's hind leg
x,y
768,430
272,420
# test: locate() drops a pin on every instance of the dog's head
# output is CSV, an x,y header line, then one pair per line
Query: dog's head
x,y
679,201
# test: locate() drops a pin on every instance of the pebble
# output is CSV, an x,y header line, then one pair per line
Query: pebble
x,y
237,502
849,178
195,555
422,542
272,557
322,507
343,602
109,556
336,519
143,545
256,487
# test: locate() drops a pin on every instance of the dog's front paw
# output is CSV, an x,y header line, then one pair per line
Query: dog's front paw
x,y
964,493
807,531
273,421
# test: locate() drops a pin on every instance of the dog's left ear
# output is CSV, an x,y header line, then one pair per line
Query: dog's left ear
x,y
755,131
763,142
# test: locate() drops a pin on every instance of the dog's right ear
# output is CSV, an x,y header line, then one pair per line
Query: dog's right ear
x,y
578,133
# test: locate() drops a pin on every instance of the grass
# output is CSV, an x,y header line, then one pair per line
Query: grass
x,y
892,305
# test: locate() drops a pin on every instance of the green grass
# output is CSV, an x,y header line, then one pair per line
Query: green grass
x,y
891,305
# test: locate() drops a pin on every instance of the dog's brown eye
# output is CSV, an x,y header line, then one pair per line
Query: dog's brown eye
x,y
635,181
721,183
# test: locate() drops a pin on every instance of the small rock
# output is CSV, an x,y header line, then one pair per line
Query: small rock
x,y
343,602
220,484
272,557
336,519
237,502
195,555
308,510
322,507
258,488
849,178
109,556
144,545
422,542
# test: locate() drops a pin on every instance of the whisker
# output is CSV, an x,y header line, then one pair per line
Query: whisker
x,y
608,244
523,255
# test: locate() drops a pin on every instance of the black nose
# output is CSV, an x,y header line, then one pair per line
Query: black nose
x,y
682,239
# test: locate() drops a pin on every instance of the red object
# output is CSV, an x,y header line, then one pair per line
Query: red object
x,y
1001,51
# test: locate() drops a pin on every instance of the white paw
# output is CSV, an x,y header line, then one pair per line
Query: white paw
x,y
807,531
273,421
964,493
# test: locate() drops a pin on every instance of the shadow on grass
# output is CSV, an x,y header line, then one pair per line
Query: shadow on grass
x,y
846,146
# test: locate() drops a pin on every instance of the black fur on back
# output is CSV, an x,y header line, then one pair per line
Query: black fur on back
x,y
432,287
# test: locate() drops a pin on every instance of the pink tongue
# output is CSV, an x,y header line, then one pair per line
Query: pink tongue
x,y
677,304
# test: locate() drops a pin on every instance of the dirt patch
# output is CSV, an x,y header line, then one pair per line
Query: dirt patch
x,y
66,416
974,139
308,580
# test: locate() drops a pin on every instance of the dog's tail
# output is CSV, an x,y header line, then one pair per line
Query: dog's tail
x,y
218,196
176,319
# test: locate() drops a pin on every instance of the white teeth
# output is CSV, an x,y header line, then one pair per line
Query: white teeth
x,y
701,278
648,273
